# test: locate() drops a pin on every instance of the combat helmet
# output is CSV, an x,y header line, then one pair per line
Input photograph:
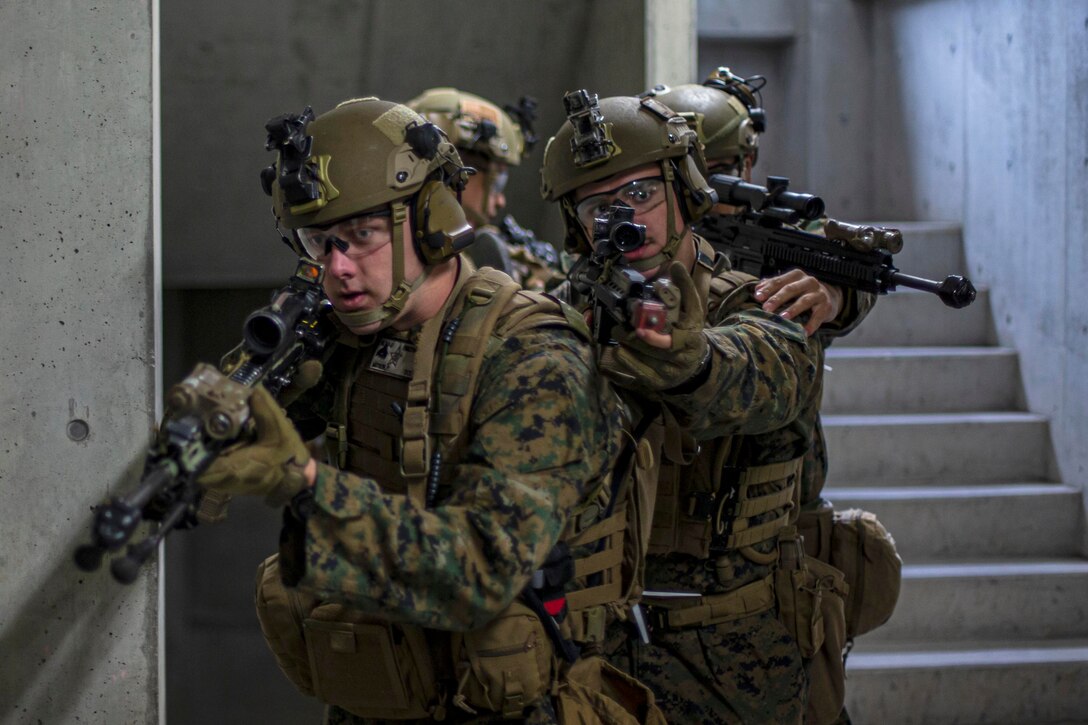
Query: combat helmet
x,y
726,112
600,139
369,156
482,132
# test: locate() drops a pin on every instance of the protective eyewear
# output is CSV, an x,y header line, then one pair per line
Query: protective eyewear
x,y
355,238
642,195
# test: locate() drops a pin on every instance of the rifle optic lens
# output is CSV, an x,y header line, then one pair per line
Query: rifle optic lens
x,y
627,237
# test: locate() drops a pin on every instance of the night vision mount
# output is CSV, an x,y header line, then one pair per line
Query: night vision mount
x,y
524,112
297,176
591,143
745,90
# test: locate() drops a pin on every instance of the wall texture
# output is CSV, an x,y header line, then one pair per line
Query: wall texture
x,y
77,311
972,111
985,122
224,74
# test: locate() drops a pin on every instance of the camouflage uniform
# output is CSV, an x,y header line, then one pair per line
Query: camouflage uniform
x,y
542,435
760,398
441,566
747,402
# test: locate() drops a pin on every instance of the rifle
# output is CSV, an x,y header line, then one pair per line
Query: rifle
x,y
620,295
759,241
205,413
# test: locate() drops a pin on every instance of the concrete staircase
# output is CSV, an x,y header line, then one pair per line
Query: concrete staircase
x,y
926,427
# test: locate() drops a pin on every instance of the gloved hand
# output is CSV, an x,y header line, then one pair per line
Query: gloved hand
x,y
271,466
653,362
306,376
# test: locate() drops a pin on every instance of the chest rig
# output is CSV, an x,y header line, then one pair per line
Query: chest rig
x,y
405,407
711,504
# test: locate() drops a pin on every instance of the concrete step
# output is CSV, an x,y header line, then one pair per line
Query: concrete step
x,y
918,319
931,250
930,524
878,450
935,684
921,380
1023,599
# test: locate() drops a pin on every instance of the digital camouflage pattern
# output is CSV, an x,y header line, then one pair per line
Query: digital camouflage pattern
x,y
764,385
542,437
543,433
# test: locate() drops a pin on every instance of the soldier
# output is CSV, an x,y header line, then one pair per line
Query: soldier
x,y
738,389
726,110
492,139
438,566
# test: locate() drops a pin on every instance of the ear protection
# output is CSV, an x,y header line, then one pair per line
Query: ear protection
x,y
440,228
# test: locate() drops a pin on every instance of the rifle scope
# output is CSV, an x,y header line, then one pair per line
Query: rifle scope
x,y
773,198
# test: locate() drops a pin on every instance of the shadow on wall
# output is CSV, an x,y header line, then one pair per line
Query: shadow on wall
x,y
66,625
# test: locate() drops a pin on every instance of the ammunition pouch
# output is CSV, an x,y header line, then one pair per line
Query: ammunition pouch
x,y
854,544
504,666
826,670
593,691
356,661
801,585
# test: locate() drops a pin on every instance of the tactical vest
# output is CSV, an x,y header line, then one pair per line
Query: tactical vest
x,y
402,410
710,503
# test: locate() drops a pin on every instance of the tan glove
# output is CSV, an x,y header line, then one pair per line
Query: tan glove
x,y
638,365
306,376
270,466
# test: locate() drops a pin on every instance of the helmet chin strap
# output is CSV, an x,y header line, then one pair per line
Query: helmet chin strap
x,y
668,252
401,287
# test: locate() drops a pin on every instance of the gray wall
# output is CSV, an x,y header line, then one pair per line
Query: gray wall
x,y
990,127
223,76
965,110
77,311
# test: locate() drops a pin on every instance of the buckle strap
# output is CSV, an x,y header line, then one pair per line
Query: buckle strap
x,y
756,534
711,609
763,504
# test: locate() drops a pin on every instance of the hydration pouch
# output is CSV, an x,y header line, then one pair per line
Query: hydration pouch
x,y
504,666
593,692
357,661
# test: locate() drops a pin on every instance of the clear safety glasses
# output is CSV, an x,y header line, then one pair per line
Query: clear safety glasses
x,y
356,238
641,195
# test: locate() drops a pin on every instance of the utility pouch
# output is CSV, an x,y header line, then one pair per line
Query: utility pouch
x,y
799,594
367,666
594,692
504,666
826,669
280,611
344,657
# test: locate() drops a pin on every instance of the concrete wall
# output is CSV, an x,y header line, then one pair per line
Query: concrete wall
x,y
78,315
985,122
223,76
966,110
